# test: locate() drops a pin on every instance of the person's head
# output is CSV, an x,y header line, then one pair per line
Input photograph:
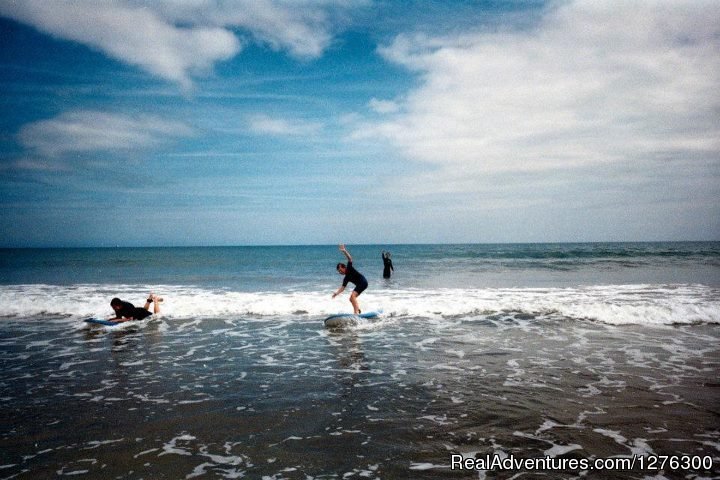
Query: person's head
x,y
341,268
116,303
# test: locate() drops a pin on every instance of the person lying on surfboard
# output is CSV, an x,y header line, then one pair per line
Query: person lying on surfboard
x,y
351,276
125,311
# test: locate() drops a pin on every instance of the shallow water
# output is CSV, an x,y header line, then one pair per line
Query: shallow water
x,y
394,398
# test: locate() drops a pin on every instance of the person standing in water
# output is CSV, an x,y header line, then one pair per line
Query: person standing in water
x,y
387,264
351,276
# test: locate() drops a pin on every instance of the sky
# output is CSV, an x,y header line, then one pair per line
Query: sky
x,y
283,122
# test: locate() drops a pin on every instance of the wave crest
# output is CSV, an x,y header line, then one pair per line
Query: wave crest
x,y
616,304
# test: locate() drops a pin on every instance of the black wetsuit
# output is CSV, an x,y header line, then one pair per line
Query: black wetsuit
x,y
128,310
355,277
388,266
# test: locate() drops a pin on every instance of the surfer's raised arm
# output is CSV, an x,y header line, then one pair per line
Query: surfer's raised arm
x,y
347,254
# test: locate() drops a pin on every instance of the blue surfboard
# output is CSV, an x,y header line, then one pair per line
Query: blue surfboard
x,y
100,321
345,319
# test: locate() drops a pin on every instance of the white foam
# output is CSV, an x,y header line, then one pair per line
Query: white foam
x,y
426,466
172,448
638,446
618,304
557,450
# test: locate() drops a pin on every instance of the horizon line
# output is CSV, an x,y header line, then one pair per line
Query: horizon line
x,y
370,244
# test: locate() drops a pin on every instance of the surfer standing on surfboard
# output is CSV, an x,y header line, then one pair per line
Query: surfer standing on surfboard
x,y
351,276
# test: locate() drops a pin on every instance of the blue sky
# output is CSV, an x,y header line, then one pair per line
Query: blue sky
x,y
205,122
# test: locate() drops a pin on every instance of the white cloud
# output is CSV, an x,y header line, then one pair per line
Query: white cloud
x,y
264,124
134,35
383,106
177,40
90,131
303,28
594,82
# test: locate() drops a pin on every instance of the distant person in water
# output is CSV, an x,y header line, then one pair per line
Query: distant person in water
x,y
351,276
387,264
125,311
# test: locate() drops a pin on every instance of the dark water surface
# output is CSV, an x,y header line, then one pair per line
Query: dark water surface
x,y
287,399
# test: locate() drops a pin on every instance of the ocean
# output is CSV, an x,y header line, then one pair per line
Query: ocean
x,y
584,354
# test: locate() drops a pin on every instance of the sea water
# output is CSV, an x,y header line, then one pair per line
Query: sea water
x,y
566,351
